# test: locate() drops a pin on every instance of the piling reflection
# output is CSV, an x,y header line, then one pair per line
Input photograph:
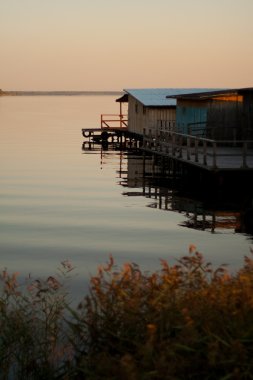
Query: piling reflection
x,y
216,212
221,212
197,215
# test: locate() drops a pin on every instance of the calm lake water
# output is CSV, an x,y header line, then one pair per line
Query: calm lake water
x,y
58,201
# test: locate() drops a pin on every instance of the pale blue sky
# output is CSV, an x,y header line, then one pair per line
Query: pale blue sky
x,y
110,45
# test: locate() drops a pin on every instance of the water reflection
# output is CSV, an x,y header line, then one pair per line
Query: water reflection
x,y
220,212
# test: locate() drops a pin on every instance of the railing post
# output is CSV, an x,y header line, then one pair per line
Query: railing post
x,y
101,121
244,155
181,147
158,145
214,154
150,139
188,148
167,137
165,141
144,137
196,150
172,145
204,154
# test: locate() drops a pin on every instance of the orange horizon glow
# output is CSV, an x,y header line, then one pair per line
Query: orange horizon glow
x,y
83,45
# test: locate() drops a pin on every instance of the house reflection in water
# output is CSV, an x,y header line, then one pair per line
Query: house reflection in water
x,y
221,214
227,212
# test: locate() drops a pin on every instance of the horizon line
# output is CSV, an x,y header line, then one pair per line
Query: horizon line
x,y
58,92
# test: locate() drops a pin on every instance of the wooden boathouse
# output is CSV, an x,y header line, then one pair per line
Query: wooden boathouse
x,y
152,108
191,130
213,130
220,115
212,143
146,109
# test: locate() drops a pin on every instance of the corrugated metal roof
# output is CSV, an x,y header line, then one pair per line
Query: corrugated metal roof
x,y
207,94
212,93
156,97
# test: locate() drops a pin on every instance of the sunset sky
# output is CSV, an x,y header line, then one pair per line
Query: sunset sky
x,y
114,44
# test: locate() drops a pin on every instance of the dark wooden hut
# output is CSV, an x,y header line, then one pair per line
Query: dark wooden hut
x,y
220,115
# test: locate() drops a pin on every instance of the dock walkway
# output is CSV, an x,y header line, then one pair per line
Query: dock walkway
x,y
201,152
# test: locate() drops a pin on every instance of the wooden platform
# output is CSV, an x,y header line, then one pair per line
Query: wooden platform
x,y
208,154
104,133
200,152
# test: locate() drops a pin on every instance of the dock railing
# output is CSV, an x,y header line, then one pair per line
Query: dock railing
x,y
200,151
114,121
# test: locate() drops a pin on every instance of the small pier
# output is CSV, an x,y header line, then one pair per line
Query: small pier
x,y
194,151
112,128
104,135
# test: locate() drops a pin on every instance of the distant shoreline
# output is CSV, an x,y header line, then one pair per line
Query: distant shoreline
x,y
58,93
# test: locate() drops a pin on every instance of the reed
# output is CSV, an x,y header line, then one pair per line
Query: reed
x,y
186,321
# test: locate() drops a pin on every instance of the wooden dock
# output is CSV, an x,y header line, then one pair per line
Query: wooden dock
x,y
182,149
211,155
105,134
112,128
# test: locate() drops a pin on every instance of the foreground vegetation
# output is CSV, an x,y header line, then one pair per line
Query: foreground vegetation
x,y
187,321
